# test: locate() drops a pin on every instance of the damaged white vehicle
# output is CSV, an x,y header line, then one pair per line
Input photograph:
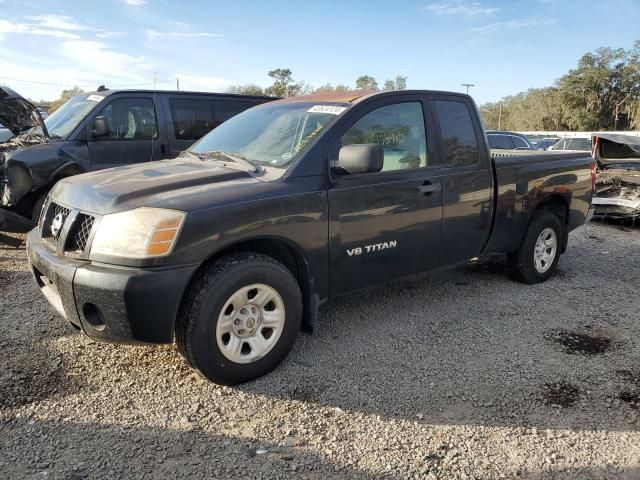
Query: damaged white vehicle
x,y
618,182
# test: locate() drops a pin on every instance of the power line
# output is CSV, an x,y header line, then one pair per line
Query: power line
x,y
85,86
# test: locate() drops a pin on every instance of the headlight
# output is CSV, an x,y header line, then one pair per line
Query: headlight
x,y
141,233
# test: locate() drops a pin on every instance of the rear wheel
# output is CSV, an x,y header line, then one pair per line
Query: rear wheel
x,y
240,318
537,258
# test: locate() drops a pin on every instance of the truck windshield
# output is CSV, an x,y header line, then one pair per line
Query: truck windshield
x,y
271,134
62,122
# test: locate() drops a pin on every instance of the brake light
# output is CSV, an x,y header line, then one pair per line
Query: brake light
x,y
593,175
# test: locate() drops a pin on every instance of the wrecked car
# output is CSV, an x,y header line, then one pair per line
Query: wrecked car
x,y
93,131
618,180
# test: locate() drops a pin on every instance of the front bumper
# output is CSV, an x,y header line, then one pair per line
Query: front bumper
x,y
14,222
110,303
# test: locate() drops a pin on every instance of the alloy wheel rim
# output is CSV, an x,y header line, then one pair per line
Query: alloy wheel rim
x,y
545,250
250,323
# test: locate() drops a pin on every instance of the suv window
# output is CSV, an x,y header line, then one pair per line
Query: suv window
x,y
458,135
130,119
519,142
192,119
499,141
225,109
399,129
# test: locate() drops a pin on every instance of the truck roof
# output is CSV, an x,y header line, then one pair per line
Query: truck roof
x,y
355,96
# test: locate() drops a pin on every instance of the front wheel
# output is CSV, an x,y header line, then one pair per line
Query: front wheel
x,y
239,318
537,258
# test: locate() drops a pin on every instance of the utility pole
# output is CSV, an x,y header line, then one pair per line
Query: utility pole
x,y
468,85
500,117
177,84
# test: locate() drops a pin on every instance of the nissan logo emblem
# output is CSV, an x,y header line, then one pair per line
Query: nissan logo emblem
x,y
56,224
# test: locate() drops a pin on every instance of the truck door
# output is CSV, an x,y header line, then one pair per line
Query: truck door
x,y
467,180
387,224
130,133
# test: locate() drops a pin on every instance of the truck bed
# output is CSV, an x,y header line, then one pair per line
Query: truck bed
x,y
523,177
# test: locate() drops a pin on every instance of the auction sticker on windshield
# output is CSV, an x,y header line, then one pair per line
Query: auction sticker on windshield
x,y
332,109
95,98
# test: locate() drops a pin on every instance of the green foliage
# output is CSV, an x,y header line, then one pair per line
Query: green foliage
x,y
283,84
366,82
328,88
601,93
246,89
64,96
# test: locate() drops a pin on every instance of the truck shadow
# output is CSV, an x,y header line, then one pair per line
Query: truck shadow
x,y
472,347
117,451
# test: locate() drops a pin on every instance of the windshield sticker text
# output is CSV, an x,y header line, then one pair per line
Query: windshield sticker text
x,y
332,109
376,247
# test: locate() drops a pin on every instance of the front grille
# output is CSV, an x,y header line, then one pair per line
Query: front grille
x,y
79,234
52,224
58,214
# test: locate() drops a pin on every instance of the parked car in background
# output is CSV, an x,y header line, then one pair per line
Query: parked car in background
x,y
231,248
5,134
546,143
573,144
43,110
618,181
97,130
503,140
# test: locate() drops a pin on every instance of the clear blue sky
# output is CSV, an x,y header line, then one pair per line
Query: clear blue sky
x,y
501,46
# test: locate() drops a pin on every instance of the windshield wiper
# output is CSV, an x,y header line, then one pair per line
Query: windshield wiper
x,y
225,157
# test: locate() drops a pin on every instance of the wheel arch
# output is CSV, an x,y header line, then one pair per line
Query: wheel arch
x,y
559,206
285,252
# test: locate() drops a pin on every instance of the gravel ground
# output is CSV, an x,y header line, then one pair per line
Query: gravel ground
x,y
463,374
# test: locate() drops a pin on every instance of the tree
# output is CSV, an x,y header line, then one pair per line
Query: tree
x,y
246,89
366,82
328,88
601,93
400,83
64,97
283,84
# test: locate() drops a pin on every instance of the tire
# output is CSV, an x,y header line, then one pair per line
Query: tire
x,y
522,262
211,306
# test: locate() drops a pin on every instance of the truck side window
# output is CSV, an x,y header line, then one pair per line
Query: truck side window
x,y
499,142
130,119
519,142
192,119
225,109
399,129
458,135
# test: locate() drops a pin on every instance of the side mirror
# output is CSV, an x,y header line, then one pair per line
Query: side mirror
x,y
361,158
100,127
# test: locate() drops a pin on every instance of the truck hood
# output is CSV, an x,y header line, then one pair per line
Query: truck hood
x,y
164,183
18,114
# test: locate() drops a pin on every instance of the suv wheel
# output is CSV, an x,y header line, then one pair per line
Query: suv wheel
x,y
537,258
239,318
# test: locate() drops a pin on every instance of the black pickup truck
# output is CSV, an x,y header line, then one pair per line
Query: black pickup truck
x,y
97,130
230,248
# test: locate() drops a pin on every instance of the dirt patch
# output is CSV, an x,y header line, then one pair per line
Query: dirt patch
x,y
632,398
578,343
562,394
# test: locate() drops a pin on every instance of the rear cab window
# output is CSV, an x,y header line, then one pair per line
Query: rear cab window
x,y
459,142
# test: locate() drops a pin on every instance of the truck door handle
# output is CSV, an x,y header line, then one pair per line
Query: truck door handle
x,y
427,188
